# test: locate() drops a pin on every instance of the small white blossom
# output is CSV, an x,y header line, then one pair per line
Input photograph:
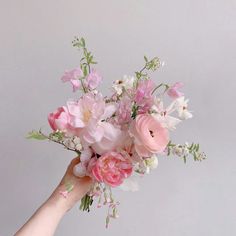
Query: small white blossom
x,y
126,83
151,162
182,108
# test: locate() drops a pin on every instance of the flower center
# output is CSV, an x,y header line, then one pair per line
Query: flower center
x,y
86,115
151,133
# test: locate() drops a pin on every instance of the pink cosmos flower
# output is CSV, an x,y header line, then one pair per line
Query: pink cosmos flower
x,y
149,135
173,90
143,96
59,119
93,80
112,168
73,77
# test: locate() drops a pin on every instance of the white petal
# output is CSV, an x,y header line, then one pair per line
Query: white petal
x,y
130,184
79,170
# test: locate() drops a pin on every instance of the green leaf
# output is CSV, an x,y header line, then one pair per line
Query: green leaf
x,y
36,135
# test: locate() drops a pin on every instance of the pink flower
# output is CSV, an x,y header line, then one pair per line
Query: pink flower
x,y
73,77
124,110
112,139
88,116
112,168
93,80
59,119
173,90
143,96
149,135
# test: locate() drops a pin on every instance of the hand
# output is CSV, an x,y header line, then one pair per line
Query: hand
x,y
80,186
51,212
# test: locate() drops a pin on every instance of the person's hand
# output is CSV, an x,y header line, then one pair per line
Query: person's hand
x,y
78,188
61,200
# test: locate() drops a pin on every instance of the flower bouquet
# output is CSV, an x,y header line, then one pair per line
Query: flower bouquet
x,y
121,136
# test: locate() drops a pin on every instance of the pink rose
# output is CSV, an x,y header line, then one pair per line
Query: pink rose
x,y
112,168
149,135
59,119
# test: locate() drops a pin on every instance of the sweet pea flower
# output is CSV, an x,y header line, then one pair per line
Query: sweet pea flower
x,y
112,168
143,95
124,110
113,138
173,90
93,80
149,135
182,108
163,115
73,77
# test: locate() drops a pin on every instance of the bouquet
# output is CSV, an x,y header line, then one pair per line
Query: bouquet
x,y
121,136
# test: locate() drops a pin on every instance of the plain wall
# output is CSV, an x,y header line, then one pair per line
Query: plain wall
x,y
196,39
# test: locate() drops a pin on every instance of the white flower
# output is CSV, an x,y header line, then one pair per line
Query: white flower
x,y
182,108
151,162
130,184
126,83
163,114
80,170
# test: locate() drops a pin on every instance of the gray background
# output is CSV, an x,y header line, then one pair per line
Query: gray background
x,y
196,39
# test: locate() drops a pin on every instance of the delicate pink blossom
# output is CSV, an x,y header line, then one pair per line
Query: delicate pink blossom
x,y
112,168
112,139
88,116
173,91
59,119
124,110
143,96
73,77
149,135
93,80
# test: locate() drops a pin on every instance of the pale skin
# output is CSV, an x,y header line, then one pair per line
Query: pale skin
x,y
46,219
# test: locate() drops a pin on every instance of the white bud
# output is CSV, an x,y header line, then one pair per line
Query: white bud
x,y
152,162
79,170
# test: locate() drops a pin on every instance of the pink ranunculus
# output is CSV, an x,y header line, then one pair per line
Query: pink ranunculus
x,y
93,80
59,119
173,90
73,77
112,168
143,95
149,135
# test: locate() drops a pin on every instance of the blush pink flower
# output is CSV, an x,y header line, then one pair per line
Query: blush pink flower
x,y
124,110
173,90
93,80
149,135
73,77
59,119
143,96
88,116
112,168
